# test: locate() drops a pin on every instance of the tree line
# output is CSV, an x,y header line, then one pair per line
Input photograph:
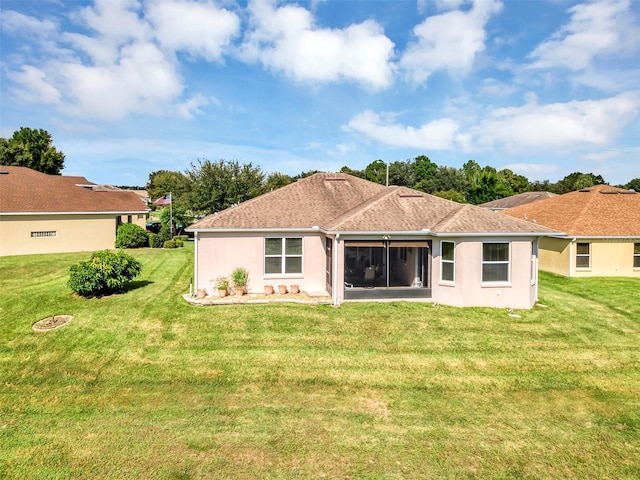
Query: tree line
x,y
207,187
210,186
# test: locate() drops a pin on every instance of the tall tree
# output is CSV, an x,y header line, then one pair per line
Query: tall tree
x,y
576,181
31,148
276,180
402,173
162,182
633,185
222,184
376,172
424,169
447,179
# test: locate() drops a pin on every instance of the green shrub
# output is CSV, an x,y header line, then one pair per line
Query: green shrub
x,y
131,235
183,238
163,235
104,273
179,243
170,244
152,239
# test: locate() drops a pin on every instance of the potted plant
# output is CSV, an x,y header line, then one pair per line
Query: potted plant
x,y
282,289
222,284
240,277
268,289
294,288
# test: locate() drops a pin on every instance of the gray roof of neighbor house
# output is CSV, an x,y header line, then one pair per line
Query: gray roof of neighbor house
x,y
25,191
516,200
337,202
599,211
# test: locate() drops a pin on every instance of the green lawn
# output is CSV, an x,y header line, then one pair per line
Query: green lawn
x,y
142,385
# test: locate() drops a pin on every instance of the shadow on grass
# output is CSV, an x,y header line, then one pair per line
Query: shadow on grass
x,y
136,284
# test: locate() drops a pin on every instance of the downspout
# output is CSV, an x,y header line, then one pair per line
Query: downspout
x,y
537,267
571,257
334,287
195,263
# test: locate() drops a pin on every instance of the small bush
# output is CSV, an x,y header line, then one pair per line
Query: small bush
x,y
131,235
152,239
170,244
163,235
183,238
179,243
104,273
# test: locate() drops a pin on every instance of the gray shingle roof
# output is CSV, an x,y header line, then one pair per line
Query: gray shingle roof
x,y
339,202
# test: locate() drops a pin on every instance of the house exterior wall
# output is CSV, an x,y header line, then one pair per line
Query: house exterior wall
x,y
220,253
468,290
73,233
609,258
555,255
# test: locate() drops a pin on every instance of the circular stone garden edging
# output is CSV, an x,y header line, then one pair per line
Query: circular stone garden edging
x,y
51,323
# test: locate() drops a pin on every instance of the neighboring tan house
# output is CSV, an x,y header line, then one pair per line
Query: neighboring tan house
x,y
42,213
601,226
516,200
338,235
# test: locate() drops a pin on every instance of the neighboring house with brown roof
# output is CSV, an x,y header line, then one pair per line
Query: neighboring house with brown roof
x,y
42,213
516,200
338,235
601,226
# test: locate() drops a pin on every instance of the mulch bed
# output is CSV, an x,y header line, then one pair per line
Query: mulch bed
x,y
52,322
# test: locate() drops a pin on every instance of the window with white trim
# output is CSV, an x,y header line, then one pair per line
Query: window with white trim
x,y
495,262
43,234
636,255
583,255
447,261
282,256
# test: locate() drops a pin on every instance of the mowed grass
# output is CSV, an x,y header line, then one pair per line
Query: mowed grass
x,y
142,385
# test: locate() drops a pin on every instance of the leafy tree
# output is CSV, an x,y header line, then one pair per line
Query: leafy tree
x,y
104,273
447,179
31,148
350,171
633,184
452,195
424,169
402,173
510,183
222,184
181,219
277,180
131,235
576,181
376,172
162,182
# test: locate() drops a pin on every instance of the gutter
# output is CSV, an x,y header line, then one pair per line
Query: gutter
x,y
90,212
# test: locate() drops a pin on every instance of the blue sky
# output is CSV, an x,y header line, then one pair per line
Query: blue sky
x,y
128,87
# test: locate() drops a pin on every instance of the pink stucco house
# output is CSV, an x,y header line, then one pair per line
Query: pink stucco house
x,y
339,235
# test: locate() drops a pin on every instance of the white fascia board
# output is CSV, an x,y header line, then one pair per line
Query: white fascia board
x,y
597,237
253,230
496,234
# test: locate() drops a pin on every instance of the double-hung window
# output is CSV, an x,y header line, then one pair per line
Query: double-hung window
x,y
283,256
583,255
495,262
636,255
448,261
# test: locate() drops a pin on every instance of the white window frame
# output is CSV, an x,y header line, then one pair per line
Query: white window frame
x,y
582,255
496,262
636,256
283,256
443,261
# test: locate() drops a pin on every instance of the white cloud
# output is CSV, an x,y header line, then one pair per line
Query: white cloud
x,y
17,22
449,41
567,126
596,30
437,135
599,157
285,39
202,29
116,21
34,86
553,126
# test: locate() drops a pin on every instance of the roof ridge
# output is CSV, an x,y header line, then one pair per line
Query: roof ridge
x,y
364,206
446,221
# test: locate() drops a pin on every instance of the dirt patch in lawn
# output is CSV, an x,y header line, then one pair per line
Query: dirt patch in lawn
x,y
51,323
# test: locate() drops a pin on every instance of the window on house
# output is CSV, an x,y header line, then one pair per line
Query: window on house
x,y
495,262
583,255
636,255
43,234
282,256
447,261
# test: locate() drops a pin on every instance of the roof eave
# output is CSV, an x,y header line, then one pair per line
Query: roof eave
x,y
96,212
